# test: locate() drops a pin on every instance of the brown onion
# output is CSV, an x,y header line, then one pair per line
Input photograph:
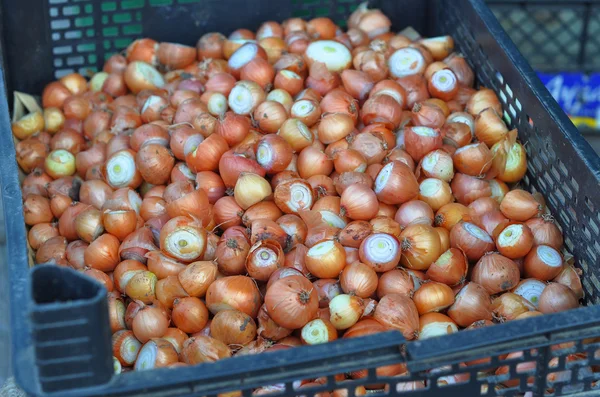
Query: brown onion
x,y
472,303
400,313
358,279
543,263
395,281
509,306
450,268
515,241
474,241
545,232
414,212
381,251
496,273
234,292
202,349
150,322
396,184
189,314
420,246
292,302
233,327
433,297
556,298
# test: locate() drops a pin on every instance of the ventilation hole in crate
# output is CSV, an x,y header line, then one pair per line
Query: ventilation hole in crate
x,y
71,10
553,201
111,31
121,18
589,290
507,118
87,47
570,192
594,281
518,105
534,162
542,184
567,240
63,50
575,185
544,156
592,224
73,35
596,247
555,173
573,215
63,72
159,3
56,36
562,215
586,232
548,179
512,111
84,21
60,24
78,60
589,204
131,4
484,389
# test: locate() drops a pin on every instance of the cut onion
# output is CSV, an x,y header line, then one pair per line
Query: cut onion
x,y
333,54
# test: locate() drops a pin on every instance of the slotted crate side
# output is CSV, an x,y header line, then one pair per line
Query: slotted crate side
x,y
553,170
81,35
568,185
553,35
547,139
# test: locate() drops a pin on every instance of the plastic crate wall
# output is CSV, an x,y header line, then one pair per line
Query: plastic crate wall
x,y
81,41
553,35
548,173
556,164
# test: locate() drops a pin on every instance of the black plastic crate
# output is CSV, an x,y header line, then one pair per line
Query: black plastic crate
x,y
60,337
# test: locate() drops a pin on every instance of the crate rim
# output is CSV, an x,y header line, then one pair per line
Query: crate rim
x,y
17,250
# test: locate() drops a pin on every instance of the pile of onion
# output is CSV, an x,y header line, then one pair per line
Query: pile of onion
x,y
297,185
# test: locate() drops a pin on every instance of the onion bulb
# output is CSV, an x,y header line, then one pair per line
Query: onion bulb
x,y
450,268
358,279
292,302
396,184
381,251
345,311
318,331
250,189
520,205
472,303
398,312
326,259
433,297
233,327
543,263
530,289
435,324
556,298
471,239
515,241
496,273
420,246
234,292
